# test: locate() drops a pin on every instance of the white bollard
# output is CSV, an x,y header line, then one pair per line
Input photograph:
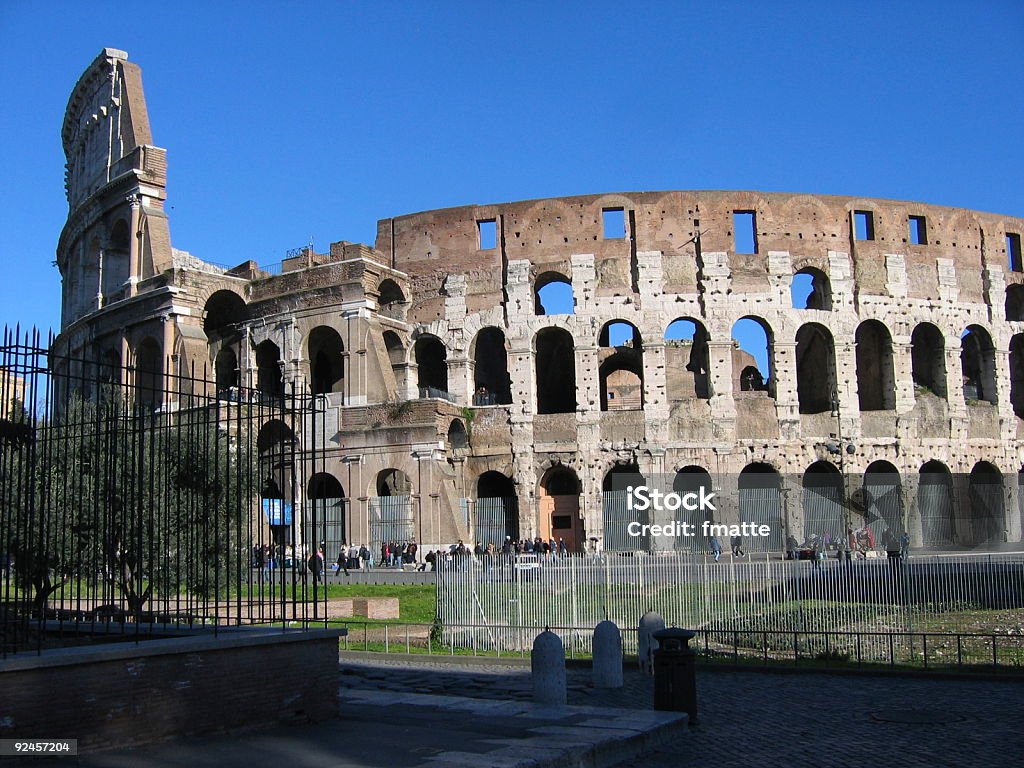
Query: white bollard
x,y
547,668
607,655
650,623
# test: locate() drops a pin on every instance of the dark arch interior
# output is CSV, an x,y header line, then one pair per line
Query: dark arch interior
x,y
326,361
556,372
876,379
393,482
432,366
492,385
928,359
815,369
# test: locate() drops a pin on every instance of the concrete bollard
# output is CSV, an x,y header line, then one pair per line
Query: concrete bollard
x,y
650,623
607,656
547,669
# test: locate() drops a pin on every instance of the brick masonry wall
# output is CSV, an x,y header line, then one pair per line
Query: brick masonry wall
x,y
124,695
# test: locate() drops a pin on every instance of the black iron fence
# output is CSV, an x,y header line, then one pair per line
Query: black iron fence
x,y
137,496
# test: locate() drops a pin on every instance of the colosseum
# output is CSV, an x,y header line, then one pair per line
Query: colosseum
x,y
488,370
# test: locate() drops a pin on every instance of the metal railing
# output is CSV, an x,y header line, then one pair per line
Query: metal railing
x,y
762,648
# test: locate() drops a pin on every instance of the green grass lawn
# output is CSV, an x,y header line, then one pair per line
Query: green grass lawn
x,y
417,602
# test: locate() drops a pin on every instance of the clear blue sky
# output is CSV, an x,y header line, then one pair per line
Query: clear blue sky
x,y
286,122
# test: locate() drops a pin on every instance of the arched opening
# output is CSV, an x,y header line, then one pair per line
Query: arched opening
x,y
876,378
149,371
823,506
110,367
395,348
497,509
326,361
492,385
753,348
883,503
621,367
928,360
432,367
89,288
687,361
697,481
987,508
553,295
276,444
560,507
978,365
116,269
226,373
1017,374
555,360
1015,303
390,293
616,514
224,315
935,504
269,379
815,368
458,438
810,289
760,501
327,511
391,519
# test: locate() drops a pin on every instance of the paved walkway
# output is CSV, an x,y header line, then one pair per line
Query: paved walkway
x,y
434,714
778,719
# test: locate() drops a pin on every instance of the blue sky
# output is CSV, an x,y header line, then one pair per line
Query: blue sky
x,y
289,122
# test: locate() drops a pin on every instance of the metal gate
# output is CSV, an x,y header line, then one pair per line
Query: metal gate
x,y
884,507
495,519
617,517
824,515
986,496
762,506
935,503
390,520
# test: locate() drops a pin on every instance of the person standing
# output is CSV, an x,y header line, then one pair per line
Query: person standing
x,y
716,548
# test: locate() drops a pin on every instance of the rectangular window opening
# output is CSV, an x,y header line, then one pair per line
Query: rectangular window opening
x,y
488,230
918,231
1013,252
614,220
744,228
863,225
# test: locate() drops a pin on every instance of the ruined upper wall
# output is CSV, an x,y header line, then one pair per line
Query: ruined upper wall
x,y
105,121
685,225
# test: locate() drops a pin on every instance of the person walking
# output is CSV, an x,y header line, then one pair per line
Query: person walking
x,y
716,548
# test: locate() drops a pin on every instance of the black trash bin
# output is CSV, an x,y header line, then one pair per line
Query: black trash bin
x,y
675,673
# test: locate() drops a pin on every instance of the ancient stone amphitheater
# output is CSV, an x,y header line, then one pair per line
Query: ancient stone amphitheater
x,y
487,370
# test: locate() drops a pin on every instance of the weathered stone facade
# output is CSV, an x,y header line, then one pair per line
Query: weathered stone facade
x,y
436,357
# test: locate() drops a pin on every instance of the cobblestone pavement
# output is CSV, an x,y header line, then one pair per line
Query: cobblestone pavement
x,y
769,719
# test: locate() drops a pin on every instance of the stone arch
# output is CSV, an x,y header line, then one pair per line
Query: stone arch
x,y
391,510
1015,302
815,368
1017,374
326,353
328,507
824,505
497,509
987,503
269,377
116,266
555,360
458,438
687,360
396,349
491,382
391,300
559,504
616,514
223,314
883,503
226,373
876,377
760,503
810,289
431,366
693,479
149,372
621,366
276,445
754,347
935,504
928,359
978,365
552,292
